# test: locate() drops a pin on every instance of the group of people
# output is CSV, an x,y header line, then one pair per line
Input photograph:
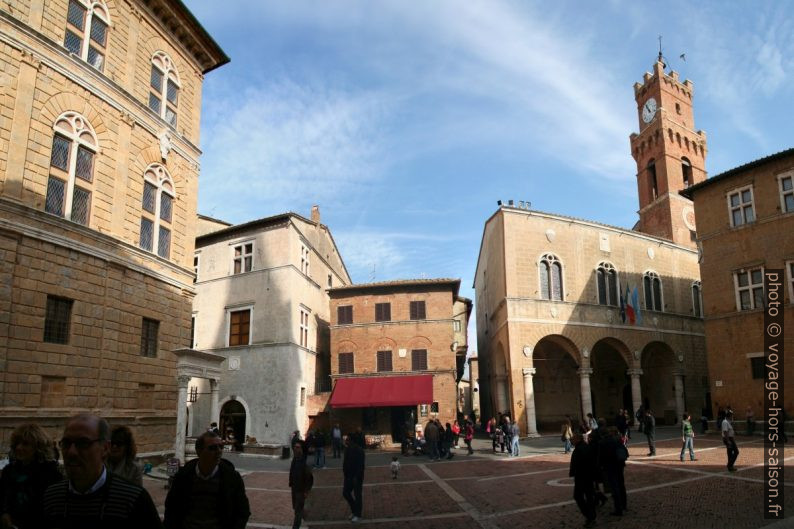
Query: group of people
x,y
99,484
437,441
504,433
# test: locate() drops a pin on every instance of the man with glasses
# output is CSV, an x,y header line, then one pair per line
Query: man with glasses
x,y
92,497
207,492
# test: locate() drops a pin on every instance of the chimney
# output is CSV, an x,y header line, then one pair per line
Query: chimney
x,y
316,214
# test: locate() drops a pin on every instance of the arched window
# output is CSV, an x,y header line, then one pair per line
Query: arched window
x,y
653,186
156,214
74,147
87,23
164,87
550,277
686,171
607,281
697,300
652,286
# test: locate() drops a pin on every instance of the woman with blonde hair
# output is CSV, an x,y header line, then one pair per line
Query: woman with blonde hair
x,y
121,459
25,479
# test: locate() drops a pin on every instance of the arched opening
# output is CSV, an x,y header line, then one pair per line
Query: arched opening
x,y
686,170
658,381
555,383
232,424
609,379
652,184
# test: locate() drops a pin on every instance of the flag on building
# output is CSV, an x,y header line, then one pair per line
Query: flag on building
x,y
622,308
635,300
629,307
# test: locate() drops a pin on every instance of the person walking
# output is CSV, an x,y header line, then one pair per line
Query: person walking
x,y
447,441
28,474
612,457
490,429
353,471
207,492
456,433
583,470
92,497
688,437
432,436
649,429
566,434
469,436
729,441
336,441
639,415
319,449
750,421
300,483
121,459
506,432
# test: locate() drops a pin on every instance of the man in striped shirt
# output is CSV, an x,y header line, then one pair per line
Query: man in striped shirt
x,y
91,497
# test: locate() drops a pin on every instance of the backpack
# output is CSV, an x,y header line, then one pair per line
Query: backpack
x,y
622,453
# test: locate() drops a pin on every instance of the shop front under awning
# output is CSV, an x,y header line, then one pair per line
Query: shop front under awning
x,y
372,392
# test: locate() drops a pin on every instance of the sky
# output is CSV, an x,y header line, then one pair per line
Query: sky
x,y
406,121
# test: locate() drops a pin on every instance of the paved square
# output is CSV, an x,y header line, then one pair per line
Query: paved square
x,y
491,491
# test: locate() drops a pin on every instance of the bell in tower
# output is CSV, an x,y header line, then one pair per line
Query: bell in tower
x,y
670,155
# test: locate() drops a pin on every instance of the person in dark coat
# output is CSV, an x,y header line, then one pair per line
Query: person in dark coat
x,y
649,428
32,469
594,440
353,472
612,465
207,490
300,483
448,439
583,470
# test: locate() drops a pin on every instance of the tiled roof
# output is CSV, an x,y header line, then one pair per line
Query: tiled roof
x,y
398,283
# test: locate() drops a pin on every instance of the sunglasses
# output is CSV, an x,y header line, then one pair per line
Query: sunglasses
x,y
81,443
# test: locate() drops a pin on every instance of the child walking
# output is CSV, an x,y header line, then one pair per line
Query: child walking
x,y
395,467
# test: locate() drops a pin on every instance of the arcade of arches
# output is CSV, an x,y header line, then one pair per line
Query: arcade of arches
x,y
568,380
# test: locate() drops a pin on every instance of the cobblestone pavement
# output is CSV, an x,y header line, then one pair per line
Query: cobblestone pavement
x,y
493,491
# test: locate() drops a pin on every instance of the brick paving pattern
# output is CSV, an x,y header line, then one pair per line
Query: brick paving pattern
x,y
491,491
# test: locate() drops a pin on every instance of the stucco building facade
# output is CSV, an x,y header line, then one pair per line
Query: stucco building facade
x,y
397,353
262,305
575,316
99,132
745,221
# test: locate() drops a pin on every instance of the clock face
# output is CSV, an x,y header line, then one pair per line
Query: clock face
x,y
649,110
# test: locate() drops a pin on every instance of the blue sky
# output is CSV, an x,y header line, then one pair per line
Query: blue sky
x,y
406,121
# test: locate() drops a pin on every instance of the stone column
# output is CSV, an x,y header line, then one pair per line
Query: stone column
x,y
529,402
636,389
680,406
181,417
584,380
214,412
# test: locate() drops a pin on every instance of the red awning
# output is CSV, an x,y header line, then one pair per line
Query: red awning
x,y
371,392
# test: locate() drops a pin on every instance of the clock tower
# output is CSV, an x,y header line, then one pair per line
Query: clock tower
x,y
670,155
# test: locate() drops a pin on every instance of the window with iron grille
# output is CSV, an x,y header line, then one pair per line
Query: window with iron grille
x,y
74,148
239,327
384,361
382,311
87,31
243,257
156,210
57,320
417,309
419,360
344,314
346,364
149,331
164,88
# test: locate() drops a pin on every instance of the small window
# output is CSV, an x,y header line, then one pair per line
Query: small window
x,y
758,367
419,360
303,331
697,300
239,327
749,289
740,204
330,281
195,267
192,342
344,314
346,365
149,331
787,194
243,257
304,260
57,320
382,311
384,361
434,407
417,310
303,397
456,325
